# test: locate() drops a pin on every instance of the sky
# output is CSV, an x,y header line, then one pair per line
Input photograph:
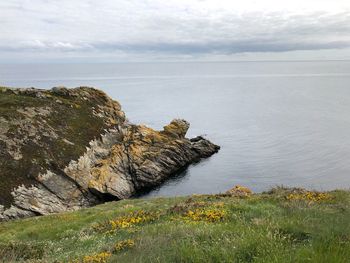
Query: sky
x,y
173,30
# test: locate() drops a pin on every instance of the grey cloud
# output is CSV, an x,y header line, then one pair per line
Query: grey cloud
x,y
253,45
142,27
225,47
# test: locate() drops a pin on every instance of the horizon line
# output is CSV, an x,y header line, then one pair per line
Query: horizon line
x,y
172,61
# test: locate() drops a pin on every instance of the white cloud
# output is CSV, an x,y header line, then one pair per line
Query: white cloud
x,y
170,28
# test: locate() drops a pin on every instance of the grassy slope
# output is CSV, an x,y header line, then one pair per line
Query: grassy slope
x,y
260,228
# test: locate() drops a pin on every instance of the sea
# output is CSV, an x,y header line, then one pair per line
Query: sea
x,y
279,123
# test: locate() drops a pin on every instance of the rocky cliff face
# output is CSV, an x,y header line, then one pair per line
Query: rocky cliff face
x,y
63,149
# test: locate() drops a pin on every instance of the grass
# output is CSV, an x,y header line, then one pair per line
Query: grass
x,y
268,227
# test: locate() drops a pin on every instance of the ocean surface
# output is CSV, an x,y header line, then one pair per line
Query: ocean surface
x,y
278,123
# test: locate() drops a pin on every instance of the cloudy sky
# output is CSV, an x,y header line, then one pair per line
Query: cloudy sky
x,y
143,30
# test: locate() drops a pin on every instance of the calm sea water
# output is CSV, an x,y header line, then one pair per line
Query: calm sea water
x,y
278,123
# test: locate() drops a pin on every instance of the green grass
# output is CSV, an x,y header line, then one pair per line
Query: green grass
x,y
261,228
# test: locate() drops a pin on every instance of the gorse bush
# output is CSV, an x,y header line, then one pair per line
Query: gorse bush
x,y
208,215
127,221
124,244
310,196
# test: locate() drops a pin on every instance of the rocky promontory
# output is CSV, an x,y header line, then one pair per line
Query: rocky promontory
x,y
64,149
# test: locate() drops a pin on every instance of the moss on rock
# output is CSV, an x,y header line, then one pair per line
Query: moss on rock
x,y
46,129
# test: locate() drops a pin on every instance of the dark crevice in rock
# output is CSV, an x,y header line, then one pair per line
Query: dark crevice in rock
x,y
129,165
103,197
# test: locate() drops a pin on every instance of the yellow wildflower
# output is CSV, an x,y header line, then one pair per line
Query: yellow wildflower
x,y
208,215
97,258
309,196
129,243
127,221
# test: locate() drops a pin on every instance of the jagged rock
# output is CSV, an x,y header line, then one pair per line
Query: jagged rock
x,y
177,128
138,159
74,148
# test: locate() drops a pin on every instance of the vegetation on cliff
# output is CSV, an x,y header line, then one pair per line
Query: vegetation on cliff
x,y
283,225
45,129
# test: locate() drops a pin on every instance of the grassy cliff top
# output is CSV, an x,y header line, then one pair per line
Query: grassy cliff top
x,y
46,129
284,225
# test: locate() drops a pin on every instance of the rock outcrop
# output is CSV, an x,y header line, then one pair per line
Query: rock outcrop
x,y
63,149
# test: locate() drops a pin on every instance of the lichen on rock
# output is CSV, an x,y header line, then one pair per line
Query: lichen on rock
x,y
63,149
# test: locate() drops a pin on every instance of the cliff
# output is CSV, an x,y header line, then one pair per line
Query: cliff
x,y
63,149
